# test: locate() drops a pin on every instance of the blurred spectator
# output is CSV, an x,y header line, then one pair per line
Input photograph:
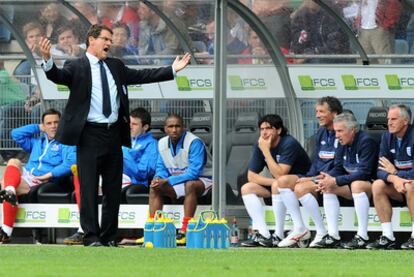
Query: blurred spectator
x,y
276,16
120,47
255,48
8,12
155,37
401,28
237,26
68,45
32,33
350,9
259,53
12,96
410,32
51,20
234,45
111,13
314,31
89,11
376,23
30,108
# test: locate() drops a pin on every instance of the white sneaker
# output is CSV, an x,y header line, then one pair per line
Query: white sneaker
x,y
294,237
316,240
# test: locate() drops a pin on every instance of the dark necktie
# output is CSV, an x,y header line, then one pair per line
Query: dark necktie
x,y
106,98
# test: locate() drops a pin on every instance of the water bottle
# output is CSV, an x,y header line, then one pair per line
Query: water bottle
x,y
250,232
149,231
191,227
234,234
225,234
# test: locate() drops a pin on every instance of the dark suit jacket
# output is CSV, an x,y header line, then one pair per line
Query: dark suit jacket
x,y
76,74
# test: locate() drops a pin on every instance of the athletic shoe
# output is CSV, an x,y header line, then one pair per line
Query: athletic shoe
x,y
328,242
140,241
253,242
294,237
317,239
181,239
275,240
75,239
9,196
409,244
265,242
356,243
382,243
4,238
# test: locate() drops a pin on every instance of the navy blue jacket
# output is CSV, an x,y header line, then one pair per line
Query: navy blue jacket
x,y
401,157
356,161
325,149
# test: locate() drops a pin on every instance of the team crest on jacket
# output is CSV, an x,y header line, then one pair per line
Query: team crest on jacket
x,y
409,151
336,143
55,147
277,158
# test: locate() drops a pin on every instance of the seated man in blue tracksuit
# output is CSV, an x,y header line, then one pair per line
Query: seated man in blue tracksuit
x,y
354,167
303,187
180,171
141,158
395,174
48,162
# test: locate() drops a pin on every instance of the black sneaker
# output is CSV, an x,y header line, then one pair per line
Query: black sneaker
x,y
265,242
382,243
9,196
409,244
275,240
328,242
4,238
75,239
356,243
253,242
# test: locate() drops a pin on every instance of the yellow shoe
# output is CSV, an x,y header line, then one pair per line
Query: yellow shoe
x,y
140,241
181,239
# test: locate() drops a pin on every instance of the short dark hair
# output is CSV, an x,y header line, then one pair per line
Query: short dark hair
x,y
122,25
50,112
66,27
274,121
334,105
173,115
95,31
142,114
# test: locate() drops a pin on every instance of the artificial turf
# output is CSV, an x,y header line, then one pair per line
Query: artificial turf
x,y
31,260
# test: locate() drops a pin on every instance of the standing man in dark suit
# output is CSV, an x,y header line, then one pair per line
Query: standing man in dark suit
x,y
96,120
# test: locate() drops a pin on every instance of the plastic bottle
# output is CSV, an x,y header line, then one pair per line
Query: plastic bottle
x,y
234,234
191,228
250,232
149,230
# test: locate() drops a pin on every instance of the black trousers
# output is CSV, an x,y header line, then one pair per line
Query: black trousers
x,y
99,153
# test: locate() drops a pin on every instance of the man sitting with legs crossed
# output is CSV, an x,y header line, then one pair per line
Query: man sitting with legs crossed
x,y
48,162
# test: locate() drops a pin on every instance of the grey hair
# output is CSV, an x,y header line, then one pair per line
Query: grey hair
x,y
348,119
405,111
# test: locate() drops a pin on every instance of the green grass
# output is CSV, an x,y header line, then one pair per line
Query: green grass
x,y
30,260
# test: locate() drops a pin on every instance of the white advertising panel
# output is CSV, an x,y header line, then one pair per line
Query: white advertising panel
x,y
356,81
134,216
195,82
